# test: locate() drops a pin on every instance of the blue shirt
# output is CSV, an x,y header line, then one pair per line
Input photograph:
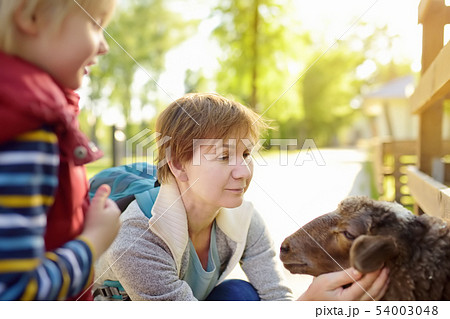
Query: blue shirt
x,y
200,280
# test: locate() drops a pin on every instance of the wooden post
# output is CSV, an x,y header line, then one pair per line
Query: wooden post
x,y
387,118
433,16
430,137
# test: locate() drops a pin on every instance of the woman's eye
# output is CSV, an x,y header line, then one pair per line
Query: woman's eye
x,y
248,158
223,157
348,235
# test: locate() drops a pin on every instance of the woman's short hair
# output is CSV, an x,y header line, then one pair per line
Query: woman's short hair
x,y
201,116
55,11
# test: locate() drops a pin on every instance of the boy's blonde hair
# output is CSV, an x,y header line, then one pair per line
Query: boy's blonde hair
x,y
54,10
201,116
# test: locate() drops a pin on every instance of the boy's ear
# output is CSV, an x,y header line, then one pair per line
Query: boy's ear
x,y
26,21
178,170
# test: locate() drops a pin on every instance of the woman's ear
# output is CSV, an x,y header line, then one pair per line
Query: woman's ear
x,y
178,170
26,20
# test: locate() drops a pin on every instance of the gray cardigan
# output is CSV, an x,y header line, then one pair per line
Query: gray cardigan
x,y
149,256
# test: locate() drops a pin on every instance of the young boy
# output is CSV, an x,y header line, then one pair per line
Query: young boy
x,y
49,234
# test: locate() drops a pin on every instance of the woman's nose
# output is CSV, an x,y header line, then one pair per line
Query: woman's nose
x,y
244,169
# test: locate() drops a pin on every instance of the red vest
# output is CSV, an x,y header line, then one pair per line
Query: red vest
x,y
30,99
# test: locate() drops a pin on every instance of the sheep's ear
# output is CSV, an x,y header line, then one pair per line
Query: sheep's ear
x,y
369,253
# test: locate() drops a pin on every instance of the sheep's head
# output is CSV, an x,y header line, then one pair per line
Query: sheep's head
x,y
362,233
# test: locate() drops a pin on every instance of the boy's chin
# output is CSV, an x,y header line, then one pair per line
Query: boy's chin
x,y
71,86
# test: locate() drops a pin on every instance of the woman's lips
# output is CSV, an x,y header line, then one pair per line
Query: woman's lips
x,y
236,190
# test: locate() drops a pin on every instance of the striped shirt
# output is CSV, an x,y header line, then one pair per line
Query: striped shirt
x,y
28,181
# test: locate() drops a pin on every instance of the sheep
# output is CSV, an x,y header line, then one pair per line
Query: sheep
x,y
369,234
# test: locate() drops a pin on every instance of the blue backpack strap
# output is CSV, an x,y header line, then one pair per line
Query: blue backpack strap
x,y
146,200
128,182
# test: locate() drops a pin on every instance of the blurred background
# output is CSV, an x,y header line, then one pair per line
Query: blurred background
x,y
338,73
308,66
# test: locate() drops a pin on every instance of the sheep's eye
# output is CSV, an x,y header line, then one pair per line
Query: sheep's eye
x,y
348,235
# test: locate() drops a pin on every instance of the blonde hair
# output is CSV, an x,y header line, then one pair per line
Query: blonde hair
x,y
55,11
201,116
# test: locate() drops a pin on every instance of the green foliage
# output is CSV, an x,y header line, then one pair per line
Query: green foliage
x,y
327,89
260,46
140,34
268,62
374,46
275,67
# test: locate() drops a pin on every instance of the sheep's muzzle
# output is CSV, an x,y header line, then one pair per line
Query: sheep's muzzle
x,y
309,250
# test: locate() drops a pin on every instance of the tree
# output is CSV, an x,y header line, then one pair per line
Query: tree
x,y
331,83
141,33
327,89
256,37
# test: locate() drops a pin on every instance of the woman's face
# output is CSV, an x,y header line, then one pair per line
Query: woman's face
x,y
219,173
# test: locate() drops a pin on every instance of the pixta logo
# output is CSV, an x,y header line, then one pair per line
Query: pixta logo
x,y
143,147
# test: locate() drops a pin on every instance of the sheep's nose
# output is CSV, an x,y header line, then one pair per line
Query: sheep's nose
x,y
284,248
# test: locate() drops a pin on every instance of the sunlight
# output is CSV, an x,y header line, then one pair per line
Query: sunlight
x,y
399,17
446,33
366,69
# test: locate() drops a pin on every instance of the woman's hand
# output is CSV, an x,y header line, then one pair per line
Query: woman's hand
x,y
371,286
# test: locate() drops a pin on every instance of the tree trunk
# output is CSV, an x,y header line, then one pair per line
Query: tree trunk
x,y
254,94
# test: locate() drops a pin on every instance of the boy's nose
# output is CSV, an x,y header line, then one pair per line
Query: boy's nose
x,y
104,47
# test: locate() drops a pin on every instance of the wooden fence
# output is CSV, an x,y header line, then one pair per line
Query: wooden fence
x,y
427,180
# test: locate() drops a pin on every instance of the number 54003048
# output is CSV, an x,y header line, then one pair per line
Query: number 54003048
x,y
407,310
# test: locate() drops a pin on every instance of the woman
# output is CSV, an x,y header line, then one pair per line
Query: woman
x,y
201,227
